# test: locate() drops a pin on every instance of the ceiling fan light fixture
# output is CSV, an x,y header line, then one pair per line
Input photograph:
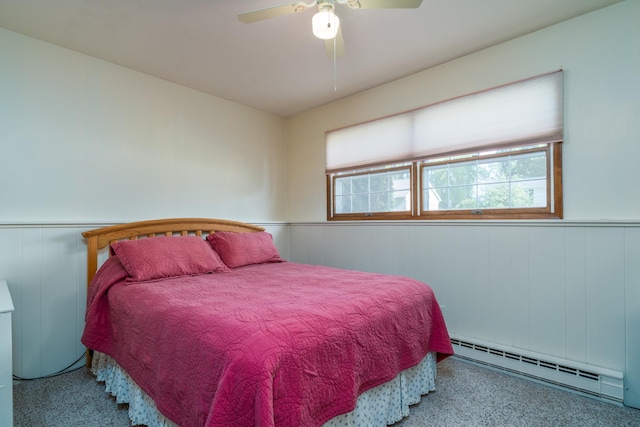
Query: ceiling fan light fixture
x,y
325,24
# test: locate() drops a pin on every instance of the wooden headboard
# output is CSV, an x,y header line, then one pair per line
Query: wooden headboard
x,y
102,237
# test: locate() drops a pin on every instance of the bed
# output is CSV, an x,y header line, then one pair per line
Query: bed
x,y
205,324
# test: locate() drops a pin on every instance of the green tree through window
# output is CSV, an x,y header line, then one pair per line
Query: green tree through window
x,y
505,181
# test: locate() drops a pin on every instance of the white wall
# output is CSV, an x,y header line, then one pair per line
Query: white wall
x,y
600,53
568,289
85,140
83,143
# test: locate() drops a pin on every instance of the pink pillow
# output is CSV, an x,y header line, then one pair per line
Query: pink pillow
x,y
238,249
167,256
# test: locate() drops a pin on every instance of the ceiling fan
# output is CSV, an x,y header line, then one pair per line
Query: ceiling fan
x,y
325,23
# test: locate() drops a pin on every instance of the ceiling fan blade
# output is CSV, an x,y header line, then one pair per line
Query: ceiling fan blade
x,y
389,4
339,45
270,12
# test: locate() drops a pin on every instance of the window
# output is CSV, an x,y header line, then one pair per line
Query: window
x,y
493,154
494,183
366,192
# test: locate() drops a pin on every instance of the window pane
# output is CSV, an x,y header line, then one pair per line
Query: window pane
x,y
463,197
436,176
530,194
360,203
379,182
360,184
534,166
435,199
343,186
380,202
497,181
343,204
401,200
462,173
378,191
493,196
493,171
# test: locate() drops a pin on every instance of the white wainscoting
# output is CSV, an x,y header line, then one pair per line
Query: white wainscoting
x,y
45,269
570,290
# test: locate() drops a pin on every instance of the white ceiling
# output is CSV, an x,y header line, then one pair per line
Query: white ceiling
x,y
277,65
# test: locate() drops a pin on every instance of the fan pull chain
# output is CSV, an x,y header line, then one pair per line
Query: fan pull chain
x,y
335,78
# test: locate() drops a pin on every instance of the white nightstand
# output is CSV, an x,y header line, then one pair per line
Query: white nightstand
x,y
6,365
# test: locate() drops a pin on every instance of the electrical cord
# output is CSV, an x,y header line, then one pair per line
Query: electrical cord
x,y
55,374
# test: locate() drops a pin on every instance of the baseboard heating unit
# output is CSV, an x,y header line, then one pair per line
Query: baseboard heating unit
x,y
597,382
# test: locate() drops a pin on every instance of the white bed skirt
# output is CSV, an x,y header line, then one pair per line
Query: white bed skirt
x,y
383,405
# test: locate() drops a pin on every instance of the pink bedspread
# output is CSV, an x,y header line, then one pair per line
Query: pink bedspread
x,y
272,344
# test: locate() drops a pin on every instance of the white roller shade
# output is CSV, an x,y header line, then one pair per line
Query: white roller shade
x,y
526,111
370,143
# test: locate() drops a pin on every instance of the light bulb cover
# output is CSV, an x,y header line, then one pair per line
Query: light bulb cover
x,y
325,24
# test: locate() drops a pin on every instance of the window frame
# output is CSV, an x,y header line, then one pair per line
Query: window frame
x,y
331,193
553,210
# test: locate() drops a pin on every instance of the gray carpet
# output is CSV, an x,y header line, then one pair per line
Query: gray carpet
x,y
467,395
